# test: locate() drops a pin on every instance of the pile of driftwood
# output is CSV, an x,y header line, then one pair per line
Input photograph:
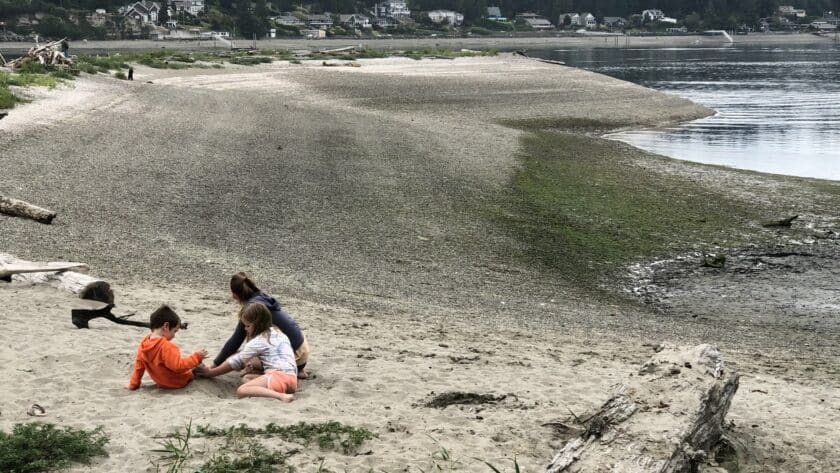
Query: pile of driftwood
x,y
50,54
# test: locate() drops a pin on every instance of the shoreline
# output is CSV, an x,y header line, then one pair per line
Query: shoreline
x,y
501,43
360,196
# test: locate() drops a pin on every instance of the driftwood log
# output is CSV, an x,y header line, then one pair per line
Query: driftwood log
x,y
782,223
664,420
19,208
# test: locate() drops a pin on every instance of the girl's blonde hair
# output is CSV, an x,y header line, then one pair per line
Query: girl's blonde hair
x,y
259,317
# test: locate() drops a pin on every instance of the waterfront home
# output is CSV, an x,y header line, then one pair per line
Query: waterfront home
x,y
588,21
652,15
571,19
385,23
439,16
614,22
288,20
143,12
535,21
321,22
495,14
823,26
355,20
392,9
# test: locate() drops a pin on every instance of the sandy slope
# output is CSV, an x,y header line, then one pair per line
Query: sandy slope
x,y
346,191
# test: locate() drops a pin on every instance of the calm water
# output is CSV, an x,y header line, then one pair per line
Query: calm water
x,y
778,107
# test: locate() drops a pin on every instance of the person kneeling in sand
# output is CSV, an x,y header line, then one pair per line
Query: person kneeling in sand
x,y
273,350
161,358
245,293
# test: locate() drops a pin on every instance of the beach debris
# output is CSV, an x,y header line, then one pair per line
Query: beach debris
x,y
666,418
50,54
7,270
340,63
781,223
714,261
19,208
456,397
36,410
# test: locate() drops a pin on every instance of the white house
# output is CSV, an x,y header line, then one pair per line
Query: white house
x,y
392,9
454,18
355,20
535,21
788,10
652,15
144,12
588,21
191,7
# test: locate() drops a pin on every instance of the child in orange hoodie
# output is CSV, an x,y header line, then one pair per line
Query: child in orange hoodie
x,y
160,357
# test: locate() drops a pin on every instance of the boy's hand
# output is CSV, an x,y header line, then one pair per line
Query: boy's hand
x,y
204,353
200,370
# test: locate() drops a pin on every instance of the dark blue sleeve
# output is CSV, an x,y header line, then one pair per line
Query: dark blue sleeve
x,y
287,325
233,344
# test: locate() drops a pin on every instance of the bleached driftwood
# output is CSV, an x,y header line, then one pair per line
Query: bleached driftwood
x,y
665,420
48,54
19,208
83,285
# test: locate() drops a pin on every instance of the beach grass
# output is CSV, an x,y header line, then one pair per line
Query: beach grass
x,y
327,435
583,209
37,447
31,77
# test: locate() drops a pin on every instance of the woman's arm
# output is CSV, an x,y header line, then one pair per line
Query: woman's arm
x,y
233,344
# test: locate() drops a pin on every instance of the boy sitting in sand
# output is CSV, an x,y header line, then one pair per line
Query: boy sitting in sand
x,y
162,358
273,350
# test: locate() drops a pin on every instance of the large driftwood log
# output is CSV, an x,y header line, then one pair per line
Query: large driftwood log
x,y
665,420
19,208
86,287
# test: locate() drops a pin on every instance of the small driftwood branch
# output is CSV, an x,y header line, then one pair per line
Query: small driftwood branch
x,y
781,223
19,208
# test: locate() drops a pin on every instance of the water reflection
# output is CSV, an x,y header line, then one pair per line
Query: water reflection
x,y
778,108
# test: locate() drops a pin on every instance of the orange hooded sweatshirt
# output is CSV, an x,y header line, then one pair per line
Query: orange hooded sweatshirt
x,y
162,359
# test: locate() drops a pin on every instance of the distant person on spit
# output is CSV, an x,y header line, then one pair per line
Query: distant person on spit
x,y
161,358
245,292
272,348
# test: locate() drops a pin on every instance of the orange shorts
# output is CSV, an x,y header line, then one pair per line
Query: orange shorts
x,y
281,382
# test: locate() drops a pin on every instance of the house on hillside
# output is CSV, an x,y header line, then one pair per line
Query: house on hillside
x,y
385,23
788,10
495,14
143,12
190,7
321,22
652,15
392,9
439,16
355,21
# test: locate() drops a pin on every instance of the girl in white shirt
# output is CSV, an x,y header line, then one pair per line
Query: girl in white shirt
x,y
273,350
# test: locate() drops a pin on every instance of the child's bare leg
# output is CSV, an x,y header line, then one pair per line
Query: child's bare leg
x,y
259,388
249,377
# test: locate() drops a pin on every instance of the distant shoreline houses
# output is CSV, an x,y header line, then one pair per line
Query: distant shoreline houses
x,y
159,19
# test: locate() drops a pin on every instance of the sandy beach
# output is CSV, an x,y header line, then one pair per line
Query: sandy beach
x,y
354,194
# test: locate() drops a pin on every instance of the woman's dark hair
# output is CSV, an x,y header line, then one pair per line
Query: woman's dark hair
x,y
242,287
258,316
